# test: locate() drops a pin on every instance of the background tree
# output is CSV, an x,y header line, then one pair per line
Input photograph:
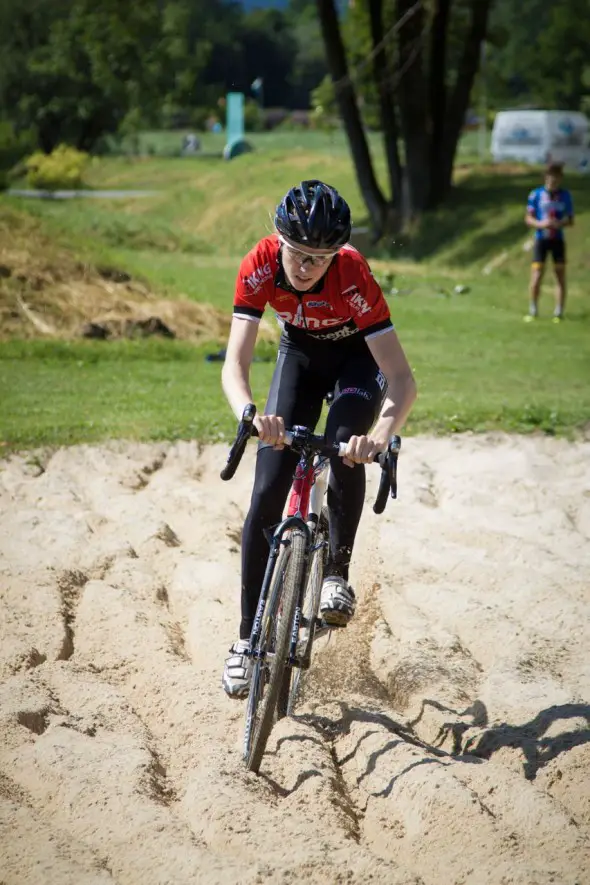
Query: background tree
x,y
307,51
423,69
561,54
268,52
75,70
538,53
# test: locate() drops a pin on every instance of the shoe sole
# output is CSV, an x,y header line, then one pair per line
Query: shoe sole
x,y
238,695
335,618
234,696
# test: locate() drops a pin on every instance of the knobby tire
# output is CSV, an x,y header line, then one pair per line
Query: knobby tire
x,y
294,574
294,677
259,669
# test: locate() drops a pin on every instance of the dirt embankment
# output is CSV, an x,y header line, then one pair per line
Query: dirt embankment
x,y
444,737
48,292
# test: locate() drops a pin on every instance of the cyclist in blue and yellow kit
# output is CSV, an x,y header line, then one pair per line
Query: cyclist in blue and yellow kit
x,y
549,210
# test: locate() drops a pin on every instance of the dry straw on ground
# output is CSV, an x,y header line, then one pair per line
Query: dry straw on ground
x,y
46,292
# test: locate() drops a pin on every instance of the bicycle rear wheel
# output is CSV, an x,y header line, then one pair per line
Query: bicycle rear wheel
x,y
293,680
267,678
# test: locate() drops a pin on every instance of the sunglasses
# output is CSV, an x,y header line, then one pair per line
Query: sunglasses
x,y
303,258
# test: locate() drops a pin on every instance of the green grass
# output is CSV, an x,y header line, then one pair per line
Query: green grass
x,y
169,143
63,393
478,366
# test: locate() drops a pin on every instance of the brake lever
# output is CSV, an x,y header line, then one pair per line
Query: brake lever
x,y
393,451
244,433
388,481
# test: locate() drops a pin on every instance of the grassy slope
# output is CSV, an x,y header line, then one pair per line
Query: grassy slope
x,y
478,366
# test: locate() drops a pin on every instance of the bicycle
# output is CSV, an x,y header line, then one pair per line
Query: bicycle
x,y
286,624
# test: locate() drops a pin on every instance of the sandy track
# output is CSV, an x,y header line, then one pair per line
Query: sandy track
x,y
444,737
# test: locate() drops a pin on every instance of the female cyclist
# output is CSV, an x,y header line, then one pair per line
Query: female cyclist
x,y
337,336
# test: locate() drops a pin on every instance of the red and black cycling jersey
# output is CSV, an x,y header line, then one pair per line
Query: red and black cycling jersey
x,y
346,300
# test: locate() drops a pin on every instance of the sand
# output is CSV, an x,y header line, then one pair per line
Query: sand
x,y
443,737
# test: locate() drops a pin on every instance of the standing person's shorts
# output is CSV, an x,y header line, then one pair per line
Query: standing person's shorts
x,y
543,248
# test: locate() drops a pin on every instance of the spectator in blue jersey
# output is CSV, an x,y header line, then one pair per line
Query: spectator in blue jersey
x,y
549,210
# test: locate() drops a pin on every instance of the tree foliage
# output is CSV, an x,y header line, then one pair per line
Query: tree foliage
x,y
74,70
538,53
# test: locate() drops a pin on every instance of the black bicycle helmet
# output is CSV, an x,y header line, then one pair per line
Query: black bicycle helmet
x,y
314,214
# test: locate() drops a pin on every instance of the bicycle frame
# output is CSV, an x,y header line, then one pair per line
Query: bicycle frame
x,y
306,499
309,488
303,512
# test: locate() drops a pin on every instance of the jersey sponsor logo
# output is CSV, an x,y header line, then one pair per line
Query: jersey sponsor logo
x,y
257,278
381,380
319,304
356,391
356,300
302,321
548,203
344,332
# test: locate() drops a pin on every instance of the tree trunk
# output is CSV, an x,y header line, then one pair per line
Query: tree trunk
x,y
48,134
442,169
346,98
382,76
412,99
437,90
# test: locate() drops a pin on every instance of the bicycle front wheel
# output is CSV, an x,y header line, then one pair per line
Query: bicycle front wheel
x,y
278,623
293,682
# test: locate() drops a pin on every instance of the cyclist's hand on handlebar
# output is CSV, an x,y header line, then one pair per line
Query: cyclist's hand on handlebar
x,y
271,429
361,450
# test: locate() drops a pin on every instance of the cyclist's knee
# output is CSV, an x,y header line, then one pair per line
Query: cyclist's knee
x,y
341,433
353,415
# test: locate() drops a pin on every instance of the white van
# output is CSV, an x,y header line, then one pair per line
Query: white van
x,y
542,137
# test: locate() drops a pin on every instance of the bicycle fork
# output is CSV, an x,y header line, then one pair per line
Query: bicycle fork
x,y
313,492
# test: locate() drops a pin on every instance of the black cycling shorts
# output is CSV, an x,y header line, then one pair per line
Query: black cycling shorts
x,y
304,375
543,248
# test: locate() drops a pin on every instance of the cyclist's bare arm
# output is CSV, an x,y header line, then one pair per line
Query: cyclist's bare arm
x,y
401,387
235,376
401,393
235,379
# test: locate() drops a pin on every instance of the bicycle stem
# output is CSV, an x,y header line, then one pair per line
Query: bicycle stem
x,y
301,438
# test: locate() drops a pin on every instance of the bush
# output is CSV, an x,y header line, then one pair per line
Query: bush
x,y
253,117
64,168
